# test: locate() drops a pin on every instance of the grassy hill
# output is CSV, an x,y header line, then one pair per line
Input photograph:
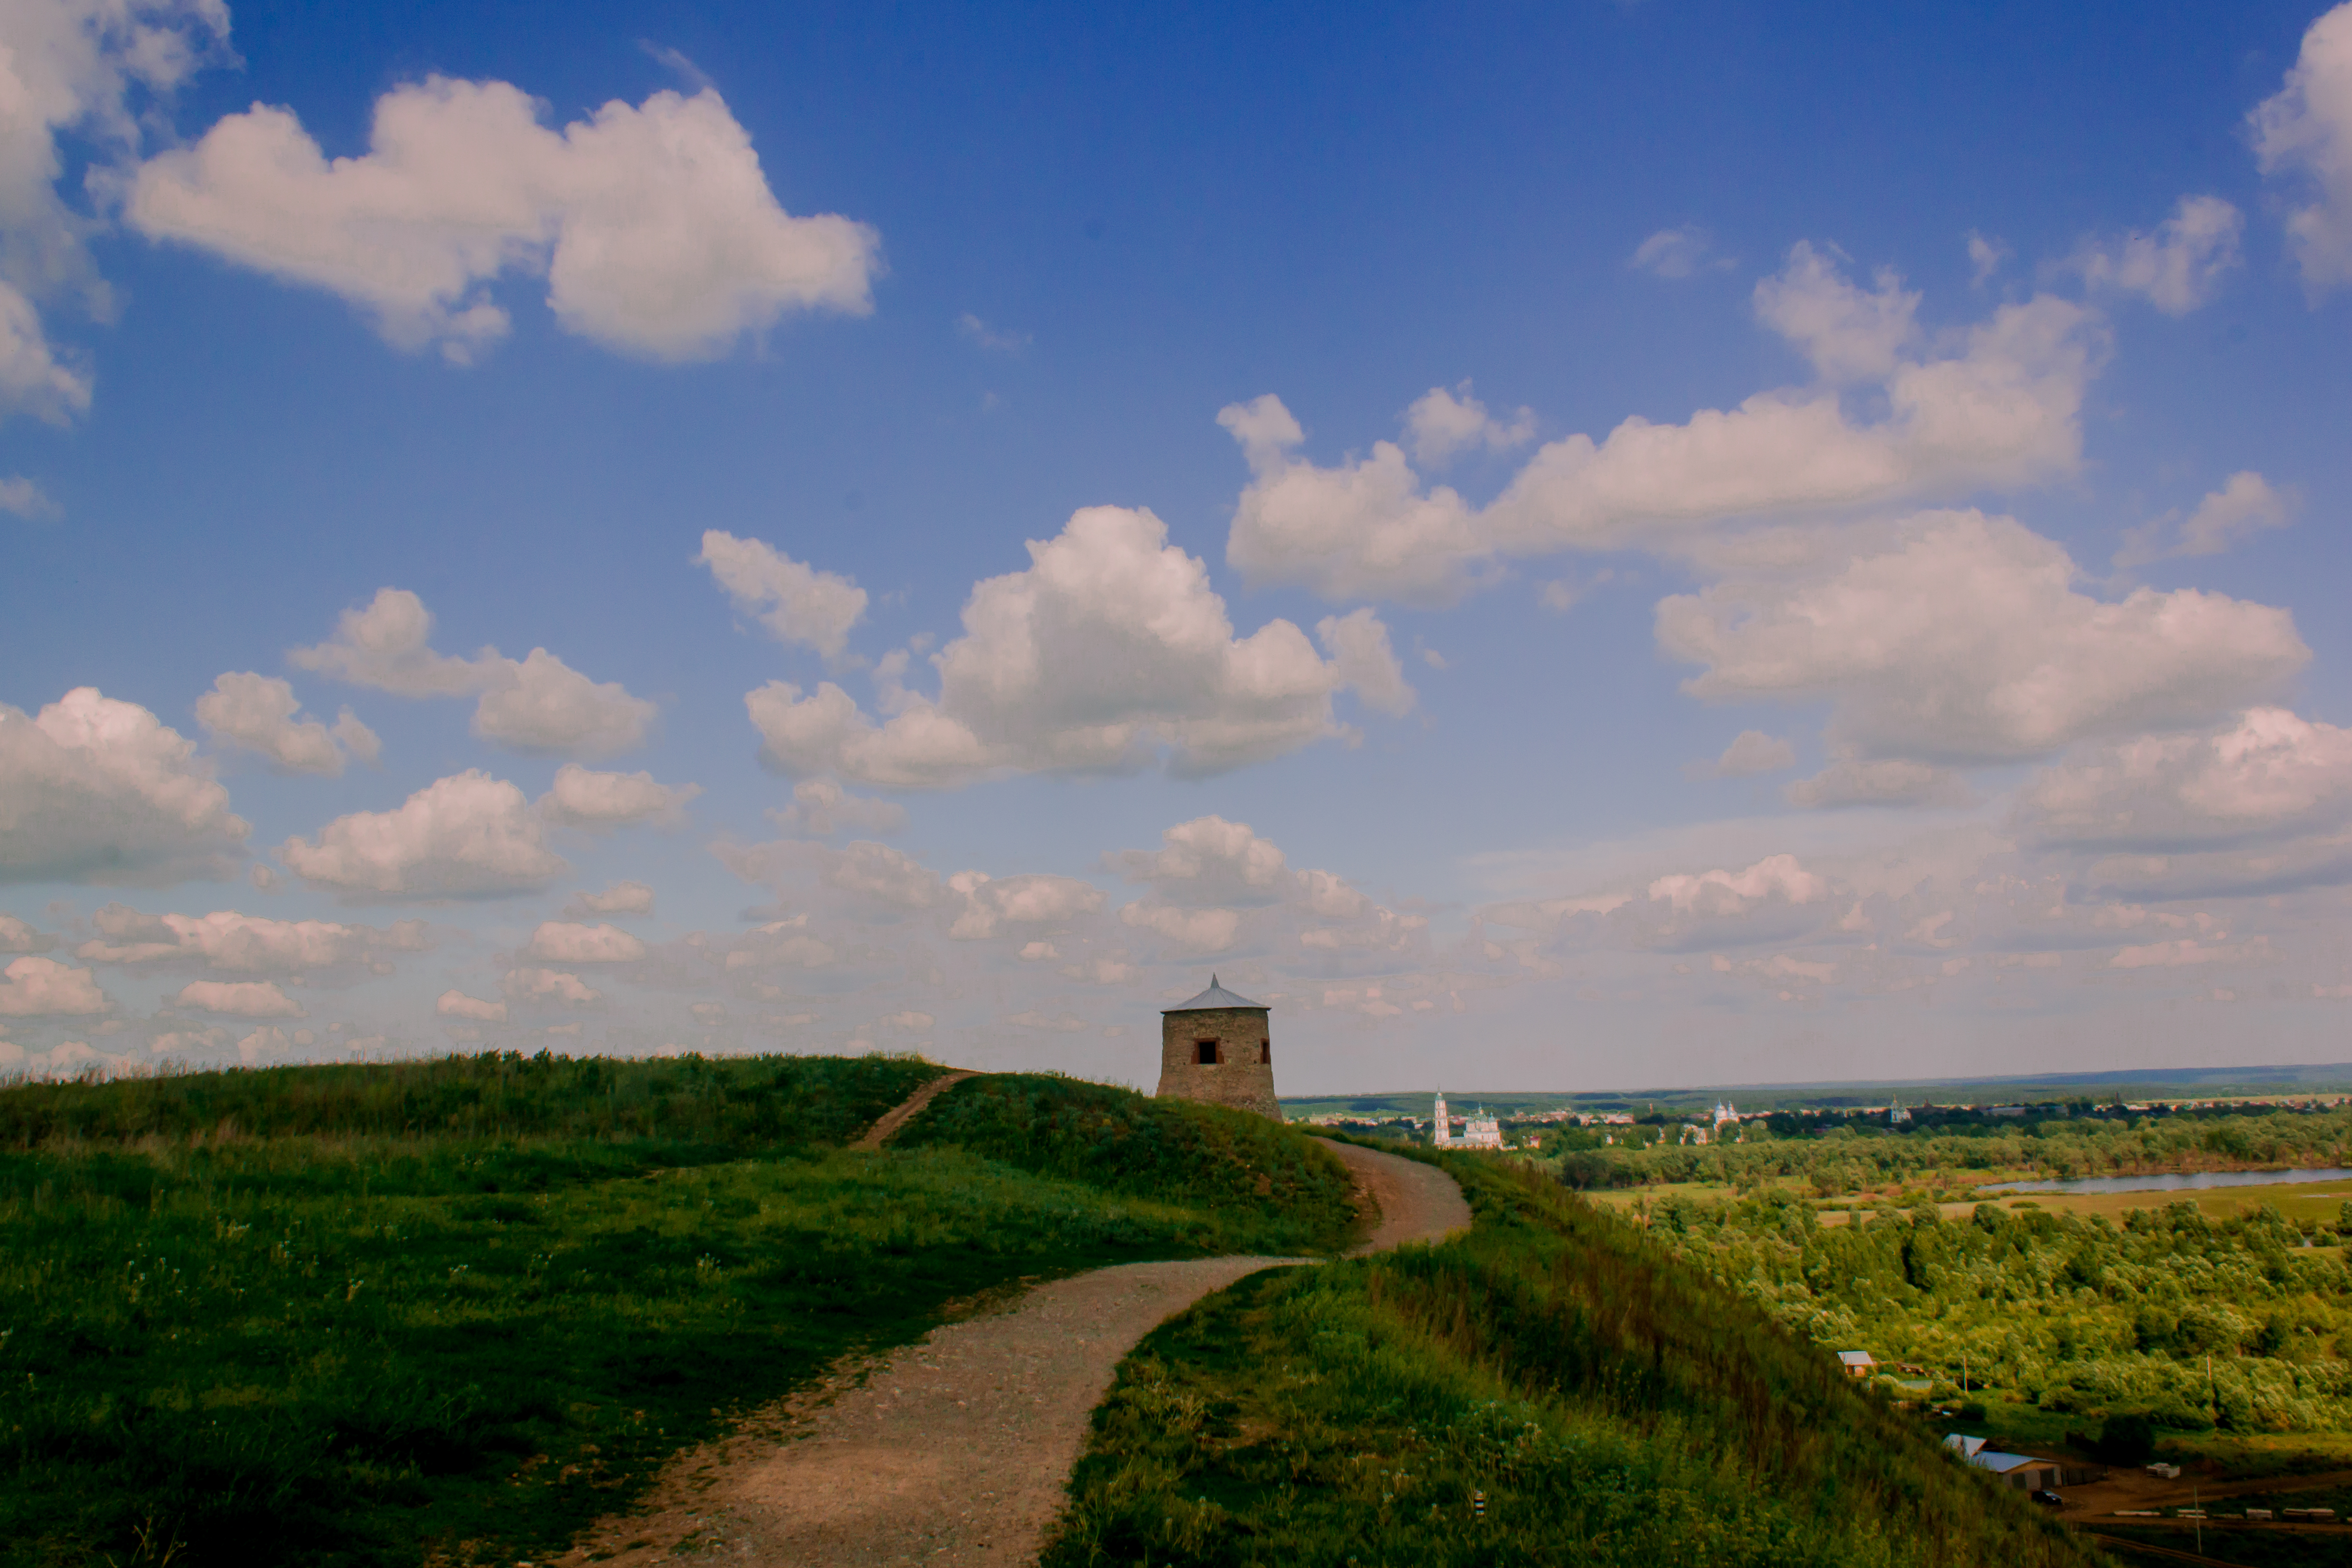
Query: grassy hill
x,y
1610,1406
363,1314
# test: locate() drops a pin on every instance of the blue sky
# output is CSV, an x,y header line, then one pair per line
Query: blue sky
x,y
1564,547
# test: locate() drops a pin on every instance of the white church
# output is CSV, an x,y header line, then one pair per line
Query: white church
x,y
1479,1131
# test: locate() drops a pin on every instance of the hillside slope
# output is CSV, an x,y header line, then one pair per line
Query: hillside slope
x,y
1610,1405
454,1309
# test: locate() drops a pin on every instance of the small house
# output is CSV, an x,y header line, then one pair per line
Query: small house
x,y
1857,1363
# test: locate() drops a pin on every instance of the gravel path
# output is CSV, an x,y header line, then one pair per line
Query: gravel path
x,y
956,1450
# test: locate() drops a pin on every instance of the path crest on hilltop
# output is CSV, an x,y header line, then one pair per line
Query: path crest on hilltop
x,y
886,1126
959,1448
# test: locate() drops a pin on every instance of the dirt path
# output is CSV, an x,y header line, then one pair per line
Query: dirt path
x,y
956,1450
899,1115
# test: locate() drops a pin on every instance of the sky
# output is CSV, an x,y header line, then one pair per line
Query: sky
x,y
1572,547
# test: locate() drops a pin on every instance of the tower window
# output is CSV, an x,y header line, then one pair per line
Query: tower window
x,y
1208,1053
1265,1052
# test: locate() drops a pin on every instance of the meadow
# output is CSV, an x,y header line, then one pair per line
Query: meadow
x,y
450,1311
1551,1388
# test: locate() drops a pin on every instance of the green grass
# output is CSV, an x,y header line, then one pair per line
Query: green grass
x,y
456,1310
1610,1405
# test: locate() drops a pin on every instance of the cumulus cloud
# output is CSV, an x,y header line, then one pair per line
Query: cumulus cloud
x,y
2304,132
228,941
1996,407
260,714
467,836
1678,253
15,936
821,808
584,798
537,703
559,941
1192,930
1441,424
2178,268
73,66
1208,860
1359,646
652,225
34,987
549,987
619,898
2269,775
797,602
239,998
1019,905
20,497
455,1003
93,790
2248,504
1965,640
1750,753
1109,652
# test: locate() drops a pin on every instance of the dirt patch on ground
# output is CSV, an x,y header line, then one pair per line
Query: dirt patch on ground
x,y
958,1449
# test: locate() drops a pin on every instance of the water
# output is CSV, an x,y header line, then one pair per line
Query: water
x,y
2175,1184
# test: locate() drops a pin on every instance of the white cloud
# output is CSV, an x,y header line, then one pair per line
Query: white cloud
x,y
94,790
1752,752
228,941
258,713
1965,640
2185,951
1208,860
239,998
654,226
821,808
1110,650
1678,253
267,1041
1734,892
549,986
619,898
15,936
1441,424
467,836
877,874
73,66
33,987
1194,931
2306,131
1359,646
909,1021
537,703
584,798
2178,268
1026,902
1998,407
457,1005
1886,781
20,497
1986,256
2246,505
558,942
795,602
2268,775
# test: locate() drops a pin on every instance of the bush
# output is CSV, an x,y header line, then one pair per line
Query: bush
x,y
2127,1440
1972,1411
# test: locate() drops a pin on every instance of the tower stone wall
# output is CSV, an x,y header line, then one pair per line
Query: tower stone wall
x,y
1241,1042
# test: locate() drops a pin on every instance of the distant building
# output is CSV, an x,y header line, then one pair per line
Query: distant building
x,y
1219,1048
2022,1471
1897,1116
1857,1363
1441,1124
1724,1112
1482,1132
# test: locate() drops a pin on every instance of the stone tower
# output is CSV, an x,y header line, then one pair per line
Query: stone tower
x,y
1219,1048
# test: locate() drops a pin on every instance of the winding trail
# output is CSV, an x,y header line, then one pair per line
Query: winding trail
x,y
956,1450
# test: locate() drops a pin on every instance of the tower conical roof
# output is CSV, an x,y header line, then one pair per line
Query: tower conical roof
x,y
1215,995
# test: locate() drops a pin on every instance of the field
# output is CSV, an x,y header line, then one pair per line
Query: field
x,y
1550,1389
356,1315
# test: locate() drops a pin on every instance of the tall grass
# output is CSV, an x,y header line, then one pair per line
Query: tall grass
x,y
1611,1406
369,1315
